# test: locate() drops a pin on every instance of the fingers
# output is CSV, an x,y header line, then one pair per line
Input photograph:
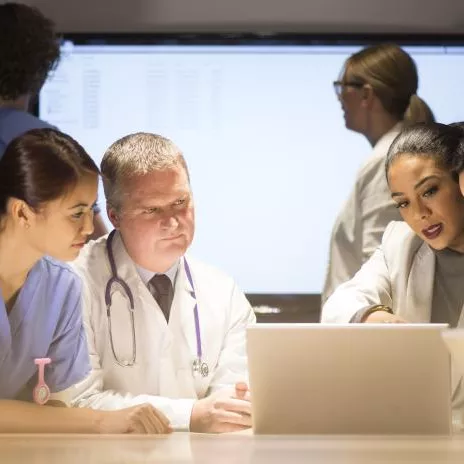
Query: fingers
x,y
147,419
136,424
227,427
223,416
233,405
241,386
143,419
242,395
242,392
158,421
154,424
164,421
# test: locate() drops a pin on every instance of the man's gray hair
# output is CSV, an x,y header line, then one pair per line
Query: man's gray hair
x,y
134,155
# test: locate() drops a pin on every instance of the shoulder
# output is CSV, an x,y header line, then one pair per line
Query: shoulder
x,y
89,261
383,145
376,162
57,269
15,122
218,291
29,121
208,273
61,280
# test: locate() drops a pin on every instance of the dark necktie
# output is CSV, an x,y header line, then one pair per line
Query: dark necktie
x,y
161,288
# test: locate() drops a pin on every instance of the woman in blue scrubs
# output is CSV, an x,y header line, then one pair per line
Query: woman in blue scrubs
x,y
48,187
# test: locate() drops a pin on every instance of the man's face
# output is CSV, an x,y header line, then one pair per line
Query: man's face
x,y
156,219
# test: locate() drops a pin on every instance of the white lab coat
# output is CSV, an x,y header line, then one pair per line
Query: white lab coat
x,y
358,229
400,274
163,374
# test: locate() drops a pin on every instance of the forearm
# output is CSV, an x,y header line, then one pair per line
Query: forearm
x,y
177,410
23,417
370,286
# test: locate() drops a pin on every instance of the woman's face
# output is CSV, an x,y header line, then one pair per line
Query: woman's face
x,y
61,228
351,98
429,200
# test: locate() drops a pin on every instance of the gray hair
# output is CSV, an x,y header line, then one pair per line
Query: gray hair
x,y
134,155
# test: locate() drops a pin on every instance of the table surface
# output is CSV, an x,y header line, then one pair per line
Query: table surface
x,y
240,448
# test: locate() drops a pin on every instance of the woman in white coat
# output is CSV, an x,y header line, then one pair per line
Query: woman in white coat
x,y
183,310
377,91
416,274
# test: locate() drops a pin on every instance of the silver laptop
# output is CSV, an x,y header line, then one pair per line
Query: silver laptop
x,y
349,379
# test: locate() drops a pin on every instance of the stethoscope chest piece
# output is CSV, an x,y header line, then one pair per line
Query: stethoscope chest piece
x,y
200,367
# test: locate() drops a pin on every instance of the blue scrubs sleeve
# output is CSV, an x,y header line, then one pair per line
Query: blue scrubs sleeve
x,y
68,351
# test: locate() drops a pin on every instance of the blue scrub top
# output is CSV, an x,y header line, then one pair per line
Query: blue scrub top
x,y
14,123
45,322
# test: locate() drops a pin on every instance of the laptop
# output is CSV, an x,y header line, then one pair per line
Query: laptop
x,y
349,379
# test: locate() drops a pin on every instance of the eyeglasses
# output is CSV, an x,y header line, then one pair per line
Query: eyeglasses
x,y
339,86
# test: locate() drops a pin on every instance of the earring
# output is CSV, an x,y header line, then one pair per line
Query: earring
x,y
27,225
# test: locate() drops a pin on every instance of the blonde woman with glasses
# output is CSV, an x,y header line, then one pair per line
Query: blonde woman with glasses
x,y
377,91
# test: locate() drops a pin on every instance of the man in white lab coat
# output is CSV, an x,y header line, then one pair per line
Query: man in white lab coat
x,y
182,348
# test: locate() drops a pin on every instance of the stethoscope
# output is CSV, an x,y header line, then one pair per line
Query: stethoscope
x,y
198,365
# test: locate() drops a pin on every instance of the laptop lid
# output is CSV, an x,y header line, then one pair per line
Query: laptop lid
x,y
349,379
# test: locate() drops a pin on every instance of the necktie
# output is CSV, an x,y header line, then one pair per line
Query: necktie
x,y
161,288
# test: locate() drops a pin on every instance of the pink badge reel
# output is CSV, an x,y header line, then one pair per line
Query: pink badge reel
x,y
41,393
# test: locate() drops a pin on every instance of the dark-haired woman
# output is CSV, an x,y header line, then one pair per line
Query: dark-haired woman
x,y
416,275
417,272
48,186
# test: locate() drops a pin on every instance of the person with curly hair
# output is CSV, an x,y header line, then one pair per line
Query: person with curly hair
x,y
29,50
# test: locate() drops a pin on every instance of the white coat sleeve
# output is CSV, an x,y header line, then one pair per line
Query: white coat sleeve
x,y
370,286
232,364
91,392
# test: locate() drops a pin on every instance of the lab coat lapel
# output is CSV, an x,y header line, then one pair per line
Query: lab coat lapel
x,y
124,264
420,296
183,326
417,306
184,303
